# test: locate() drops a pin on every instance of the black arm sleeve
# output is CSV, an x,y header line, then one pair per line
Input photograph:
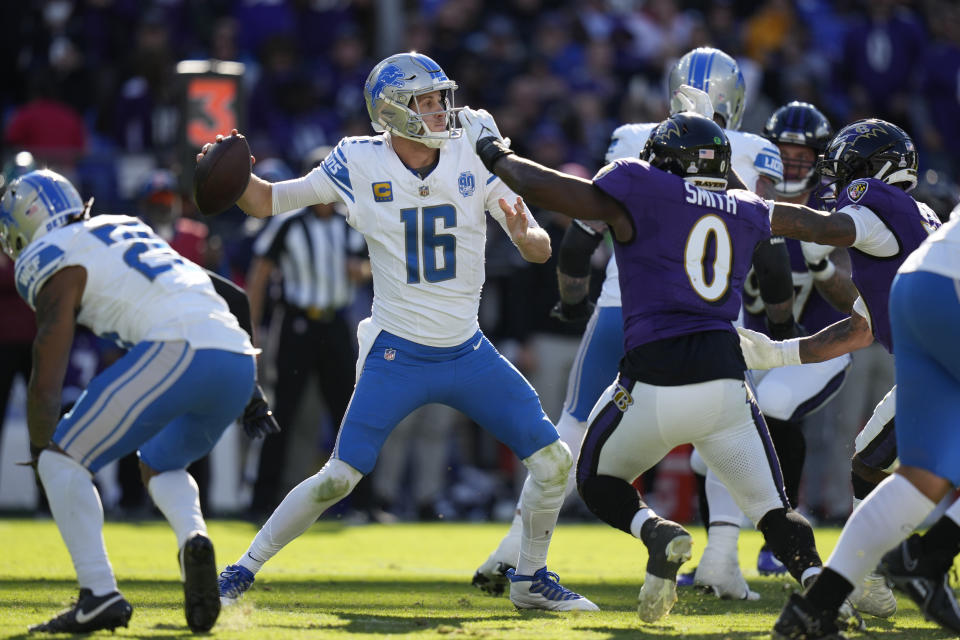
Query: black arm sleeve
x,y
771,262
578,244
236,299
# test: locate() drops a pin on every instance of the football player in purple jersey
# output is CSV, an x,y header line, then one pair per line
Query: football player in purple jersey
x,y
683,245
924,313
874,165
821,278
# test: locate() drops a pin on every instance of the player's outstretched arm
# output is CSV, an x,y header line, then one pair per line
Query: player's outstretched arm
x,y
831,271
761,352
57,305
570,195
804,223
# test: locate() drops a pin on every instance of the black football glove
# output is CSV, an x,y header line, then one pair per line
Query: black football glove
x,y
258,420
572,313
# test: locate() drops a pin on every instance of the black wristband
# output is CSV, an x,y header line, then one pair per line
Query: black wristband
x,y
491,149
820,266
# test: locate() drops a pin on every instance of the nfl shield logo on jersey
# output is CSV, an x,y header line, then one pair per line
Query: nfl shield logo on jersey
x,y
424,191
467,184
856,190
390,354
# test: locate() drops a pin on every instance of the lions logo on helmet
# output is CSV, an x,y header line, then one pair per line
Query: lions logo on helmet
x,y
390,75
34,204
391,93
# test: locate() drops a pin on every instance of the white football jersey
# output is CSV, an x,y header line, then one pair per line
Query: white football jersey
x,y
752,157
940,253
426,237
138,288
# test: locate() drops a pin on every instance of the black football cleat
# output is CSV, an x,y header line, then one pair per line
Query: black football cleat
x,y
800,620
907,571
491,577
89,613
201,593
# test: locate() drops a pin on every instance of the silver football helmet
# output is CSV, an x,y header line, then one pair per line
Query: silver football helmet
x,y
392,90
716,73
34,204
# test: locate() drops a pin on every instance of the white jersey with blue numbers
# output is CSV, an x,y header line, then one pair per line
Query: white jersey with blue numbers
x,y
426,237
137,288
752,157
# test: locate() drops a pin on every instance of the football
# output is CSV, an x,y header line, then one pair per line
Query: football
x,y
222,175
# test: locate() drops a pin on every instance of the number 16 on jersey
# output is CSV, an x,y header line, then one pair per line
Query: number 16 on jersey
x,y
423,242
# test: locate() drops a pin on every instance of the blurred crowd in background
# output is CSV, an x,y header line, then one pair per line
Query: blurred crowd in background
x,y
91,89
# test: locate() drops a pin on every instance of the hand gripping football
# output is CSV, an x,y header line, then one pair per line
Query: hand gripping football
x,y
222,175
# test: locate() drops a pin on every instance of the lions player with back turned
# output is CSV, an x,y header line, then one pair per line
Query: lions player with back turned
x,y
418,193
683,244
188,373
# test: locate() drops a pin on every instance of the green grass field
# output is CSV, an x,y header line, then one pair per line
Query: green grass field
x,y
400,581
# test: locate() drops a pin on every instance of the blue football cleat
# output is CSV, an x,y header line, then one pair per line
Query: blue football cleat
x,y
543,590
686,579
233,582
768,565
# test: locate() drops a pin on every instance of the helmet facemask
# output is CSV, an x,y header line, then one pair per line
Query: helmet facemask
x,y
799,176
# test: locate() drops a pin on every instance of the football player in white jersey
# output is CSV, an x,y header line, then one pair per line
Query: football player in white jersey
x,y
187,375
716,92
419,194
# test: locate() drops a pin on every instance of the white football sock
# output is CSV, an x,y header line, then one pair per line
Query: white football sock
x,y
509,548
723,508
571,433
177,496
300,508
722,539
725,518
641,516
75,505
888,515
540,503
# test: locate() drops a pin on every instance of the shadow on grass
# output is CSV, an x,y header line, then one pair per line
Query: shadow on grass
x,y
413,604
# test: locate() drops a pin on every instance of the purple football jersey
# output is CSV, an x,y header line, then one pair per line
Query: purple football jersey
x,y
815,312
683,271
874,275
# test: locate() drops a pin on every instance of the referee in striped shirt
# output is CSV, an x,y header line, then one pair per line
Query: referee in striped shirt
x,y
321,259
